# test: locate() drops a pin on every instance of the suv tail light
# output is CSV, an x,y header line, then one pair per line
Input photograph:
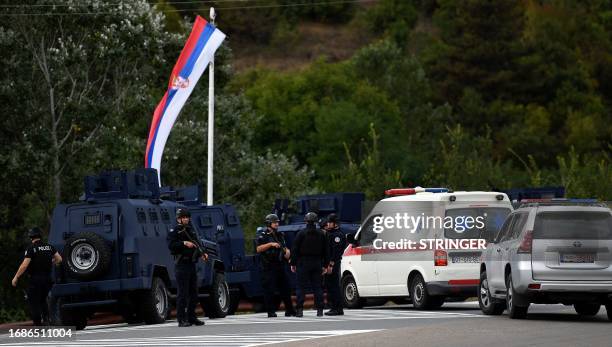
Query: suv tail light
x,y
440,257
526,243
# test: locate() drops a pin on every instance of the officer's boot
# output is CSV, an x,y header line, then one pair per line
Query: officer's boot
x,y
299,312
196,322
320,312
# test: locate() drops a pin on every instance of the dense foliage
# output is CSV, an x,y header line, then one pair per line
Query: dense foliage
x,y
468,94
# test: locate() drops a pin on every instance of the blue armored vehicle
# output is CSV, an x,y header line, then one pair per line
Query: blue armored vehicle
x,y
116,257
347,206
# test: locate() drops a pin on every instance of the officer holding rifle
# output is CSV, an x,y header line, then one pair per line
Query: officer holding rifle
x,y
274,257
184,244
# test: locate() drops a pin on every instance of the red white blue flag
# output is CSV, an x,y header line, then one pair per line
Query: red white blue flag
x,y
195,57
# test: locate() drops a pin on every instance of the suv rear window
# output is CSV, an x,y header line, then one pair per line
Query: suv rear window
x,y
494,219
573,225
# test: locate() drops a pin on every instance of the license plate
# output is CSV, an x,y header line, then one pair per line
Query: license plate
x,y
465,259
577,258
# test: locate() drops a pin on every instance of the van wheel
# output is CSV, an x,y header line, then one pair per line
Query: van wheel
x,y
488,304
421,300
87,256
154,305
351,293
59,316
609,310
585,309
514,311
217,304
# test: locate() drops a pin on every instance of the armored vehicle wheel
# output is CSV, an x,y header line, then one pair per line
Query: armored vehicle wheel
x,y
609,310
234,302
154,304
217,304
59,316
87,256
350,294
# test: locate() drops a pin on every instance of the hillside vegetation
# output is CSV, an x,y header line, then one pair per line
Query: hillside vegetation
x,y
312,96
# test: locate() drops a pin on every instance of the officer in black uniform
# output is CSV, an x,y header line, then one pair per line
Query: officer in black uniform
x,y
184,244
274,255
337,243
38,261
310,259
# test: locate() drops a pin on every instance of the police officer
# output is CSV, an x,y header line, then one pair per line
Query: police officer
x,y
184,244
310,259
336,241
38,261
274,255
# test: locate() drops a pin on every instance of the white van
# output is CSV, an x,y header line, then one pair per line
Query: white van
x,y
397,255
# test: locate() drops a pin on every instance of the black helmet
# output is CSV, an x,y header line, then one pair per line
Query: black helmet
x,y
183,212
271,218
34,233
332,218
311,218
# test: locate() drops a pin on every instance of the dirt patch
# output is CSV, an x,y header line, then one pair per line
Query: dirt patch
x,y
309,41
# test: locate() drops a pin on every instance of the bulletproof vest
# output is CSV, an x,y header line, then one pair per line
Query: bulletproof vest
x,y
187,233
312,244
272,254
42,256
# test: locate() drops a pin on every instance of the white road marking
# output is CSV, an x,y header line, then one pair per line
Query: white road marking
x,y
255,339
96,335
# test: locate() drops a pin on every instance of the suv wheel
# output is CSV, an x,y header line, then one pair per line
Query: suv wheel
x,y
488,304
350,293
609,310
421,300
587,309
514,311
217,304
87,256
154,302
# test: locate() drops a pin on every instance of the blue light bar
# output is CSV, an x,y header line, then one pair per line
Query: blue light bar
x,y
436,190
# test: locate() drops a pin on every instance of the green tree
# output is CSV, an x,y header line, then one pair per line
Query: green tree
x,y
481,42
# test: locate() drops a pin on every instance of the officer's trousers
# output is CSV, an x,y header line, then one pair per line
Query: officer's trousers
x,y
334,292
187,291
38,289
309,275
274,278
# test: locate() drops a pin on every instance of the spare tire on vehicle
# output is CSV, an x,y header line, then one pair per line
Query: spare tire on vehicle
x,y
86,256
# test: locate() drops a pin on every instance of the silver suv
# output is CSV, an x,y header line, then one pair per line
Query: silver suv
x,y
549,253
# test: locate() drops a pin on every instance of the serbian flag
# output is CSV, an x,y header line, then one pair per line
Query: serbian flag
x,y
193,61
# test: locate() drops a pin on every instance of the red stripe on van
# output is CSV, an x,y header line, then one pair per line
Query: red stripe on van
x,y
463,282
350,250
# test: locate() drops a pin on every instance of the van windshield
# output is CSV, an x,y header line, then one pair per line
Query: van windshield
x,y
582,225
487,222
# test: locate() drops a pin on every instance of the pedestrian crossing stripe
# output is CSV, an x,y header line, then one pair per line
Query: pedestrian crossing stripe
x,y
91,333
224,340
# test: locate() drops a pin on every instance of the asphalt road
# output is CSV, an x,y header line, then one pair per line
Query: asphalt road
x,y
456,325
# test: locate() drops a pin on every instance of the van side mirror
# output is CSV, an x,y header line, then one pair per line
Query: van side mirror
x,y
351,239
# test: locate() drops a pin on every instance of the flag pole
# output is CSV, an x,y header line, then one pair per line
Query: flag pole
x,y
211,120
